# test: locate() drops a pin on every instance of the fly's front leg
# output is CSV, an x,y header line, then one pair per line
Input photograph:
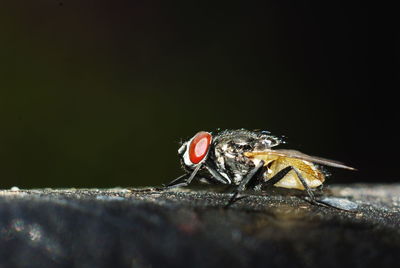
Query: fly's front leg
x,y
176,181
253,174
182,181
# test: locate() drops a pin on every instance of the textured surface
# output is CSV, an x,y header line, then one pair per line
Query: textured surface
x,y
149,228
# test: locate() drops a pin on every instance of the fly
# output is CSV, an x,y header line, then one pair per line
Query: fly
x,y
246,159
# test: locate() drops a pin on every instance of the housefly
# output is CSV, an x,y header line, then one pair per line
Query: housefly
x,y
246,159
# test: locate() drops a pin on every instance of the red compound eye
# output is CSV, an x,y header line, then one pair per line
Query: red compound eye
x,y
198,148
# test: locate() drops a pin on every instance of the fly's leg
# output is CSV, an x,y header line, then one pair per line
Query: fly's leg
x,y
177,182
313,200
278,176
281,174
216,176
306,187
250,176
182,181
253,174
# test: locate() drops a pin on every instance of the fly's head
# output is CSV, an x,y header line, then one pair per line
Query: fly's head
x,y
195,151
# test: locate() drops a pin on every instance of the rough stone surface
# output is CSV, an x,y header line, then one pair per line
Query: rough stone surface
x,y
190,228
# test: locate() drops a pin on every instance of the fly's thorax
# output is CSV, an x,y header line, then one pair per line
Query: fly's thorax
x,y
230,147
228,154
250,140
232,165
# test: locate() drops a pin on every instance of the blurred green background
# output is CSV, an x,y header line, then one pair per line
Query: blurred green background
x,y
99,93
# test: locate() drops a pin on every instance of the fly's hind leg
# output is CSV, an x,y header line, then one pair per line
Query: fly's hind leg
x,y
307,188
313,200
281,174
347,206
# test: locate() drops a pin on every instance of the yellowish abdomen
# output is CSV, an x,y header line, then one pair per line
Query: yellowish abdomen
x,y
274,163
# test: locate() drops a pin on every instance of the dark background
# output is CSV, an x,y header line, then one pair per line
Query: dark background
x,y
99,93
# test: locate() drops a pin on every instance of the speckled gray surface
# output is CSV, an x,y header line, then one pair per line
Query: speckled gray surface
x,y
190,228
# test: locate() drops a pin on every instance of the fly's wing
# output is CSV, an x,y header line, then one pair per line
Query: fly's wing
x,y
302,156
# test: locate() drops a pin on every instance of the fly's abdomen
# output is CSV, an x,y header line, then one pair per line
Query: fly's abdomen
x,y
275,163
311,175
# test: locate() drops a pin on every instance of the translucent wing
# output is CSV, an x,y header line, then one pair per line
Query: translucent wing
x,y
302,156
